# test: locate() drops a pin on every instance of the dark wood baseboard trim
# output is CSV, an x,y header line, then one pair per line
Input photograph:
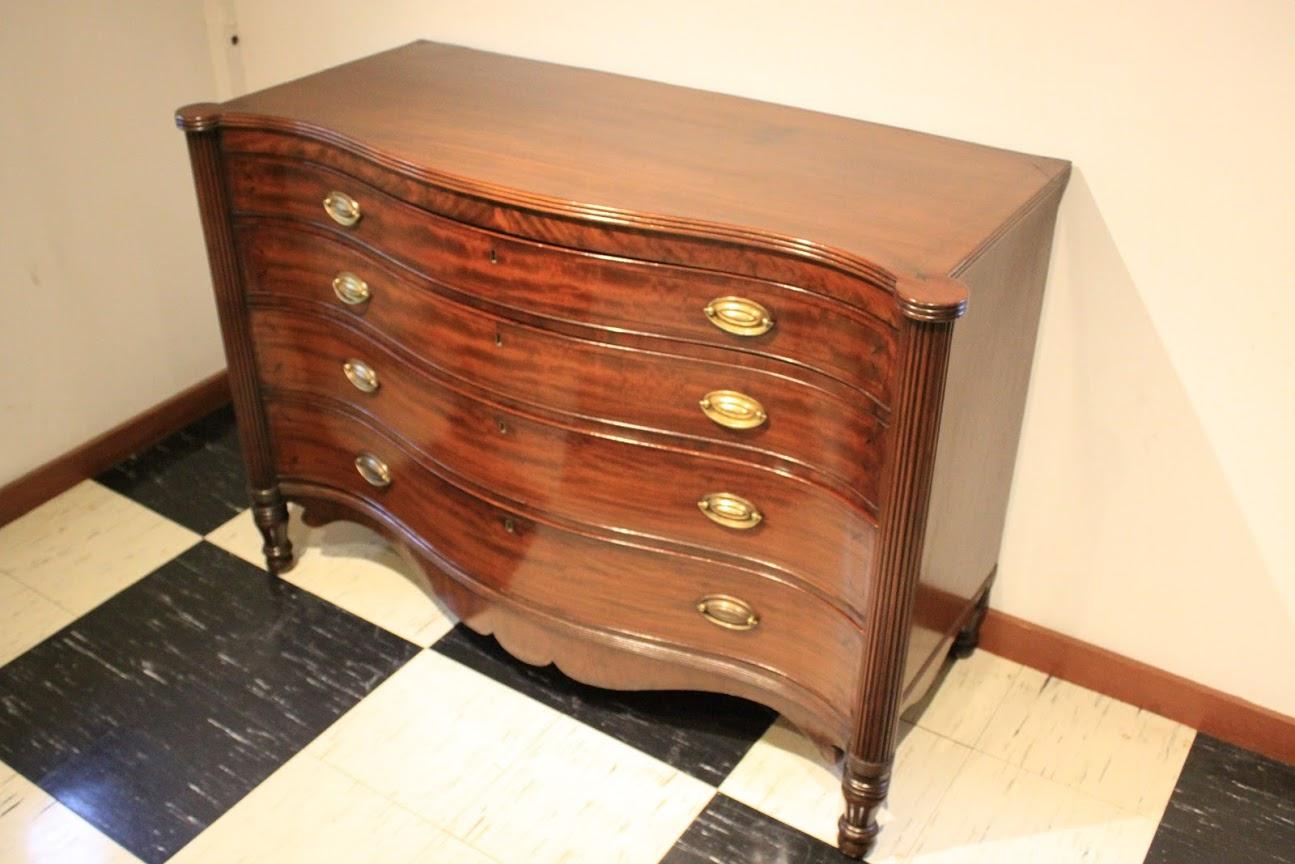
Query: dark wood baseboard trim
x,y
1213,712
102,452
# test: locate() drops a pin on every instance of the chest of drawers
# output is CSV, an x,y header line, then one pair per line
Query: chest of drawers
x,y
658,385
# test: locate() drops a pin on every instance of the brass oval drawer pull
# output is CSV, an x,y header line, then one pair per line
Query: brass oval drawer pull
x,y
739,316
350,289
733,410
728,612
361,374
729,510
342,208
374,471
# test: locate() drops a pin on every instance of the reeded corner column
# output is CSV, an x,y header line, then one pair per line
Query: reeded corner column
x,y
201,125
929,309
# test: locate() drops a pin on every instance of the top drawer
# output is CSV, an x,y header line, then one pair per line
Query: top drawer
x,y
671,301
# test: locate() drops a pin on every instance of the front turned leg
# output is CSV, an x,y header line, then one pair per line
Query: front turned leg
x,y
865,785
270,514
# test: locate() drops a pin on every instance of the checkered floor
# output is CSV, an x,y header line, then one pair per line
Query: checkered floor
x,y
163,699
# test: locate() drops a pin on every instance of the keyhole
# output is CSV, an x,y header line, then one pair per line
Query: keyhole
x,y
494,259
510,525
499,338
502,426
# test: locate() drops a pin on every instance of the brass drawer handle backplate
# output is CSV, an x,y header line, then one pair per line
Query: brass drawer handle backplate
x,y
728,612
729,510
361,374
739,316
350,289
733,410
374,471
342,208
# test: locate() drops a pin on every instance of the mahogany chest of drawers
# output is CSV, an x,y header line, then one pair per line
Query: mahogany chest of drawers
x,y
669,388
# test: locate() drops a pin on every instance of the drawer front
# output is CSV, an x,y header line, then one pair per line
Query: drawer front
x,y
620,588
625,386
735,312
599,480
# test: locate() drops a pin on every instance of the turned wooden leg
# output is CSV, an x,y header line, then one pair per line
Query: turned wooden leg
x,y
865,785
969,636
271,516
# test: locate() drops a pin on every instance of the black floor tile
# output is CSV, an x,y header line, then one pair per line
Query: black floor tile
x,y
703,734
195,477
1229,805
154,713
729,832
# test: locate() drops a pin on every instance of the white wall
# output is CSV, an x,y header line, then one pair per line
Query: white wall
x,y
1152,512
107,306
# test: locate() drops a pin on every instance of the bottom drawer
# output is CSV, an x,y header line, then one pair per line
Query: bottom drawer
x,y
689,602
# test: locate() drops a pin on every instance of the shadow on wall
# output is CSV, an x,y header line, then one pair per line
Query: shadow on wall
x,y
1123,529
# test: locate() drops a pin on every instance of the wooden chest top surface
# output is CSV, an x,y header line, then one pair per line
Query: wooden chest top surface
x,y
574,141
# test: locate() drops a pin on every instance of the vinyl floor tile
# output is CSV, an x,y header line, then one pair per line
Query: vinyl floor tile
x,y
785,776
309,812
704,734
25,618
1087,741
156,712
194,477
997,813
352,567
507,774
1229,805
36,829
83,546
968,697
730,832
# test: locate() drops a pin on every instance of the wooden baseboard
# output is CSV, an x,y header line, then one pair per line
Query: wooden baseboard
x,y
101,453
1213,712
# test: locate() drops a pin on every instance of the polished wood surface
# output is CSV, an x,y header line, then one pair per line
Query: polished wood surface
x,y
579,473
572,286
906,201
520,554
648,390
649,382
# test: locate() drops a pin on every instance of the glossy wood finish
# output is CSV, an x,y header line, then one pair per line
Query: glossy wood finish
x,y
538,245
567,285
634,389
522,554
582,474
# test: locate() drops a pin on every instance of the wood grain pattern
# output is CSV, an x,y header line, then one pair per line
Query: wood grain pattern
x,y
268,507
572,286
631,388
578,474
523,555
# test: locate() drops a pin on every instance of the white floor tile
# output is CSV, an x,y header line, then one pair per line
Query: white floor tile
x,y
506,774
352,567
968,696
784,776
26,618
309,812
1090,742
36,829
997,813
85,545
